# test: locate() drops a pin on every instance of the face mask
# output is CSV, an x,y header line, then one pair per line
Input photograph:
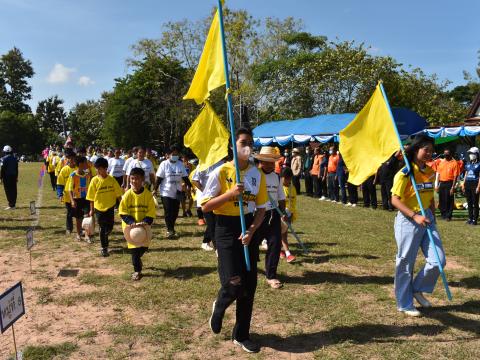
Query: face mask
x,y
244,153
173,158
472,157
307,151
285,154
330,152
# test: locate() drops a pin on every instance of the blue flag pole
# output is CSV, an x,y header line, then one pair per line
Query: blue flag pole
x,y
232,129
414,185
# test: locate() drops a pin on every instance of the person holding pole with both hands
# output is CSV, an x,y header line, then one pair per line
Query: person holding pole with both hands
x,y
221,195
411,229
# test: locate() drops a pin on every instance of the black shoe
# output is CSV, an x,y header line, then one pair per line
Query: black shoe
x,y
473,222
104,252
448,219
216,320
189,213
185,214
468,222
248,345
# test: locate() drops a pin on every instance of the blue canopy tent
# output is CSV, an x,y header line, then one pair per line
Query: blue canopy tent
x,y
325,128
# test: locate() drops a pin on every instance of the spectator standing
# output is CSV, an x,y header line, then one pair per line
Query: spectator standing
x,y
307,167
9,176
471,185
448,172
332,183
296,166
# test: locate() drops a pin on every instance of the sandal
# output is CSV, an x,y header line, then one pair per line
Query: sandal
x,y
274,283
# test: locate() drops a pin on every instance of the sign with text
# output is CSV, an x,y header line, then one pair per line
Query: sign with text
x,y
33,208
30,241
11,306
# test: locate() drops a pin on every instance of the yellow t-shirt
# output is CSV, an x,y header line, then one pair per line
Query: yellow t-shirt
x,y
223,178
103,192
402,187
291,200
138,206
52,161
60,165
63,178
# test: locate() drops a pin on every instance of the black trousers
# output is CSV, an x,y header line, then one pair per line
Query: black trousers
x,y
53,180
199,213
209,234
308,184
137,254
231,266
105,220
332,185
271,230
70,213
342,181
472,199
317,186
352,193
170,207
386,190
119,180
296,183
10,186
446,200
369,193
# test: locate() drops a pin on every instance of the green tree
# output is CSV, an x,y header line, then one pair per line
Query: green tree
x,y
21,132
14,89
50,116
146,106
85,121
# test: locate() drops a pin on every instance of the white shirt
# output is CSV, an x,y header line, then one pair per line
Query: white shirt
x,y
127,164
274,189
144,164
202,177
115,167
172,174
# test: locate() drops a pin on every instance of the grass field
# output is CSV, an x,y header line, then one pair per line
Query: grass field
x,y
337,302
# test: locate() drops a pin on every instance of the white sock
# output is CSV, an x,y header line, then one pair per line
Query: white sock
x,y
287,253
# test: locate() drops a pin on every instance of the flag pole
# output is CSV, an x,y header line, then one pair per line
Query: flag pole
x,y
232,129
414,185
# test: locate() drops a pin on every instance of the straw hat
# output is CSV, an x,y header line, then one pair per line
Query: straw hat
x,y
88,224
138,235
268,153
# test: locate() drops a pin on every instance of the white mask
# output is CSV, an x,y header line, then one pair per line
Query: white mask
x,y
244,153
174,158
330,152
472,157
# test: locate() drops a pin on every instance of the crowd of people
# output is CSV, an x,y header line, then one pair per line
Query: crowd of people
x,y
96,184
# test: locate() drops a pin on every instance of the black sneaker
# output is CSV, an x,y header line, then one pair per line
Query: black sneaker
x,y
104,252
248,345
216,320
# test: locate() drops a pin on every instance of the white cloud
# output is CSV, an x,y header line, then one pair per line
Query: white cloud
x,y
60,74
85,81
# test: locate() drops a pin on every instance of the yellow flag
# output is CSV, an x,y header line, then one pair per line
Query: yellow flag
x,y
210,72
208,138
369,140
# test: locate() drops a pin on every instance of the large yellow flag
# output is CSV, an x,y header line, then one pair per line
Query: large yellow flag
x,y
210,72
208,138
369,140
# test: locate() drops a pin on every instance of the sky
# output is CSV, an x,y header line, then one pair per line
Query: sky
x,y
78,48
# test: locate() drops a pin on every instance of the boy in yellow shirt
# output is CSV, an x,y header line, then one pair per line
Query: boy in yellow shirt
x,y
137,208
290,209
103,193
77,187
62,180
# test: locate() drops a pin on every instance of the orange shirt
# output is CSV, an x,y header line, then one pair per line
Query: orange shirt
x,y
317,159
332,163
278,165
448,170
461,166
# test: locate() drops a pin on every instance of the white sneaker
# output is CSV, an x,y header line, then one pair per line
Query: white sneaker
x,y
354,205
322,198
334,201
10,208
207,247
421,300
264,244
348,204
411,312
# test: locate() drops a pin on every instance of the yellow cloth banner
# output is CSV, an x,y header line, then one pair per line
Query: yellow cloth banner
x,y
210,72
208,138
369,140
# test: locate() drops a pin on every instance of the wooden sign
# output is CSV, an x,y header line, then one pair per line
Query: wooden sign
x,y
33,208
12,307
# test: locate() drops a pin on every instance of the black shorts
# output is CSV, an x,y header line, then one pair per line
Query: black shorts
x,y
105,217
82,209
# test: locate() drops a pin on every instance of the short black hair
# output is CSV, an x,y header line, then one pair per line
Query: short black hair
x,y
286,172
69,153
101,163
243,130
419,141
137,171
80,160
173,148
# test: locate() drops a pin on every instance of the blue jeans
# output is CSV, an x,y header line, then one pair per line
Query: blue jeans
x,y
410,237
